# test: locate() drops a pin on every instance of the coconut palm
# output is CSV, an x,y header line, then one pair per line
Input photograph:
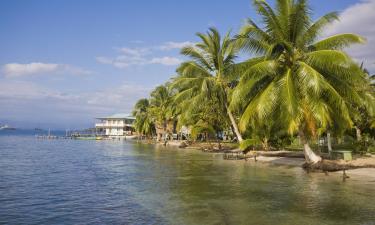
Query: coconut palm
x,y
199,117
143,122
363,113
305,82
209,74
162,108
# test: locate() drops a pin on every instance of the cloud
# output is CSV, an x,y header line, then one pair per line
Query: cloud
x,y
111,97
124,95
175,45
137,52
144,55
359,19
19,69
122,61
168,61
37,104
137,56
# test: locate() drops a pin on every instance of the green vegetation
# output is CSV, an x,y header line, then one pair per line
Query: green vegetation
x,y
144,121
293,85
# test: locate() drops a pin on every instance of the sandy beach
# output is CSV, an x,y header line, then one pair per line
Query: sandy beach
x,y
359,173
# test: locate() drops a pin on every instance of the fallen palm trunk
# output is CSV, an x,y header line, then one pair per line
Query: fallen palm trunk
x,y
332,166
281,154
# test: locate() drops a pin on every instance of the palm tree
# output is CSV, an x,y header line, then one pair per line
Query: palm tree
x,y
305,82
143,122
206,117
162,108
209,74
363,113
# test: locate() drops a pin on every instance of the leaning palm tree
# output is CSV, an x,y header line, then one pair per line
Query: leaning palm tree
x,y
304,81
209,74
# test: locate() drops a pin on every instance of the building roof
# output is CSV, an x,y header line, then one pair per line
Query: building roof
x,y
118,116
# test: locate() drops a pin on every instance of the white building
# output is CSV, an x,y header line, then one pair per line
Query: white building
x,y
116,125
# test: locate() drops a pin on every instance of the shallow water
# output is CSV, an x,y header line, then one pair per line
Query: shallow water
x,y
114,182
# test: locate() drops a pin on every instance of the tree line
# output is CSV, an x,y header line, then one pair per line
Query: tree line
x,y
293,83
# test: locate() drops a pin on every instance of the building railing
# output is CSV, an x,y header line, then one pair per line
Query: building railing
x,y
108,125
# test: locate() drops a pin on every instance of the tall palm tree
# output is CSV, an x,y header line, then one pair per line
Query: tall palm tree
x,y
209,74
306,82
143,122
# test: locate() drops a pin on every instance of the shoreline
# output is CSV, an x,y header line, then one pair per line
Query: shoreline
x,y
365,167
365,173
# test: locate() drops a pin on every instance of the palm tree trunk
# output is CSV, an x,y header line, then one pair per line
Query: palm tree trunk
x,y
310,156
358,133
234,125
265,144
329,143
165,131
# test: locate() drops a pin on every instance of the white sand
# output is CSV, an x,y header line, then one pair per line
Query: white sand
x,y
281,160
361,174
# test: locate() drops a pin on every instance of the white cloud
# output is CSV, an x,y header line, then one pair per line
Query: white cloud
x,y
137,56
32,102
144,55
359,19
104,60
175,45
137,52
110,97
122,61
168,61
123,95
19,69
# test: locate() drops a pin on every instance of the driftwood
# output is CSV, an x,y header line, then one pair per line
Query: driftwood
x,y
287,154
333,166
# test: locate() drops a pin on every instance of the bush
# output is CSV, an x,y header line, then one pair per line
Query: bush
x,y
248,144
282,142
366,145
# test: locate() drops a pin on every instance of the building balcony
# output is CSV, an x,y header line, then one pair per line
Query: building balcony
x,y
111,125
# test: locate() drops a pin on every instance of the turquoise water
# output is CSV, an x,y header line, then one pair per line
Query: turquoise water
x,y
114,182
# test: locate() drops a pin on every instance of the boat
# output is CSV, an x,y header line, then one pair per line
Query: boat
x,y
131,137
6,127
88,138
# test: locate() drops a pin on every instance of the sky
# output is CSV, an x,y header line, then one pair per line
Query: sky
x,y
63,63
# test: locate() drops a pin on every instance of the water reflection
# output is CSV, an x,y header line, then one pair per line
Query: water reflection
x,y
121,182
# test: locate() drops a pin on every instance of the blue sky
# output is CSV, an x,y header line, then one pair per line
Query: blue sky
x,y
65,62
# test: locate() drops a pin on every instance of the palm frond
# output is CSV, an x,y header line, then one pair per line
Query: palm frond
x,y
290,97
316,28
198,56
338,42
261,106
284,8
299,20
260,68
270,19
